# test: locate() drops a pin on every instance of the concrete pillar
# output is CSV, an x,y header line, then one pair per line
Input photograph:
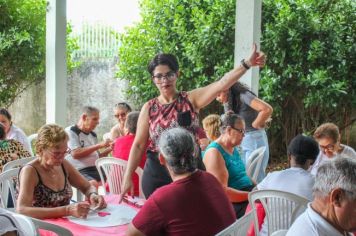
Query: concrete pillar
x,y
56,66
247,32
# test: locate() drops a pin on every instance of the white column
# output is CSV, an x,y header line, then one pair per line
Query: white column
x,y
247,32
56,65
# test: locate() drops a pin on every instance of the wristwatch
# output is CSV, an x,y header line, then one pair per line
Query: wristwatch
x,y
244,64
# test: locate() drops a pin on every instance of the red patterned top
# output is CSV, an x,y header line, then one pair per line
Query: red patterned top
x,y
165,116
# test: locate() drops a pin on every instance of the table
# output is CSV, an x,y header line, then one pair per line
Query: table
x,y
80,230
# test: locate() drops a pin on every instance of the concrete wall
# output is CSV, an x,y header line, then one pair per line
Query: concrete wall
x,y
93,83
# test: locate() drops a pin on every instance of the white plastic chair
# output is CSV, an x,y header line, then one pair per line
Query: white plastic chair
x,y
17,163
7,185
239,227
26,224
59,230
32,137
114,169
281,208
281,232
254,163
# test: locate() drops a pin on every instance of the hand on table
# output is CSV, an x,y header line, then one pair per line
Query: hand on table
x,y
97,201
79,210
126,187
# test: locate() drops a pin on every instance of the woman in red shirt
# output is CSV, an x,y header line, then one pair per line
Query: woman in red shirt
x,y
123,146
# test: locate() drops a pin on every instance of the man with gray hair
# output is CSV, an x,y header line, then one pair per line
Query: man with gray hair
x,y
333,210
85,146
194,204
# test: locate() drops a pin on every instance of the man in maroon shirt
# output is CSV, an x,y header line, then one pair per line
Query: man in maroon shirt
x,y
194,204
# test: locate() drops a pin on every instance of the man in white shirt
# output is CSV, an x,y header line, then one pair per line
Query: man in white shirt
x,y
333,210
328,137
302,152
84,145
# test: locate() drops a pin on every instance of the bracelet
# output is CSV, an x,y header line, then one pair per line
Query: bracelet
x,y
243,63
67,208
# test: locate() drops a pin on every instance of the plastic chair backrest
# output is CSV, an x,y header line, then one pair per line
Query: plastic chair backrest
x,y
254,163
17,163
7,185
26,224
32,137
281,232
281,208
60,231
113,169
239,227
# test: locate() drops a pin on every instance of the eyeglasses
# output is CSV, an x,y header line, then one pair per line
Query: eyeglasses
x,y
171,75
120,115
241,131
56,154
329,147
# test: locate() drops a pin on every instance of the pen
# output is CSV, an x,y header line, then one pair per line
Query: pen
x,y
100,213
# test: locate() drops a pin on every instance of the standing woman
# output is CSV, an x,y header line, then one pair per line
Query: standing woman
x,y
13,132
256,113
120,112
171,109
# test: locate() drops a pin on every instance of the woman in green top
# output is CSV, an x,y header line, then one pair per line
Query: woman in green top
x,y
223,160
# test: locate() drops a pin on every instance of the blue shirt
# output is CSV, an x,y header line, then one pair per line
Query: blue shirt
x,y
238,178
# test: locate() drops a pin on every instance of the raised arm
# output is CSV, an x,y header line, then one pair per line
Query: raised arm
x,y
215,164
137,150
201,97
264,113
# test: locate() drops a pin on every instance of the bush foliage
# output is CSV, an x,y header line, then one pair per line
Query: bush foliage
x,y
22,46
309,77
200,33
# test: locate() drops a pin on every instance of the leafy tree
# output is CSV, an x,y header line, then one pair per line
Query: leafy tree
x,y
192,30
310,75
309,78
22,46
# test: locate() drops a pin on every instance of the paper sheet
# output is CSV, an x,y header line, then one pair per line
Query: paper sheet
x,y
120,215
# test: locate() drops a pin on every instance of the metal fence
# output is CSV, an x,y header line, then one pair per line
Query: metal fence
x,y
95,41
